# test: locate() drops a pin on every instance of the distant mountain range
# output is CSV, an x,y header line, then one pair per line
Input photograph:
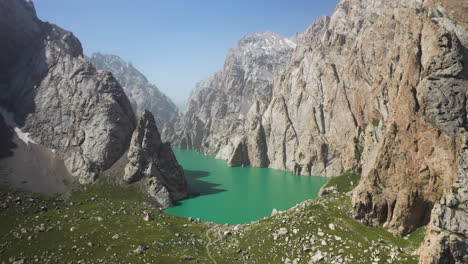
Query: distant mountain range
x,y
142,94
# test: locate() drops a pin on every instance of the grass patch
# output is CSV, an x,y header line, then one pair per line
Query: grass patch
x,y
308,231
360,148
103,223
99,224
375,122
362,129
345,182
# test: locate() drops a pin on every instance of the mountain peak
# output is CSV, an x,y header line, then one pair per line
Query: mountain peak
x,y
142,94
266,40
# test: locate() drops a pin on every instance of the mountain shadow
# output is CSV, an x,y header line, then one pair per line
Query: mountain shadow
x,y
198,187
6,140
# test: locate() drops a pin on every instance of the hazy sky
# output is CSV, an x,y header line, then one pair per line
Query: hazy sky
x,y
176,43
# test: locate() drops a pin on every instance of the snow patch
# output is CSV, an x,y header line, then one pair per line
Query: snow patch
x,y
10,121
290,43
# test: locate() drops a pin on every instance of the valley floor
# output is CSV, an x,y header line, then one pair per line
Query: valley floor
x,y
105,224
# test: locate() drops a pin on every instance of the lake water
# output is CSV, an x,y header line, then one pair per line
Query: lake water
x,y
238,195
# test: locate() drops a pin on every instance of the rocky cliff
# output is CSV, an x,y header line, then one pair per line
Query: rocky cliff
x,y
142,94
218,109
61,117
153,164
447,233
59,98
380,87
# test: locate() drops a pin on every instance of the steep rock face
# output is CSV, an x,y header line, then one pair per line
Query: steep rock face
x,y
447,234
142,94
59,98
342,95
381,88
416,161
218,107
378,87
252,147
153,163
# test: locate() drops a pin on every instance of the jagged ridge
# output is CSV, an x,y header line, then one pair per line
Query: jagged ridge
x,y
142,94
380,88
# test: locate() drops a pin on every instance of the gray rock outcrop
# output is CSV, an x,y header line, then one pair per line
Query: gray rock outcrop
x,y
153,164
379,87
142,94
59,98
219,108
447,232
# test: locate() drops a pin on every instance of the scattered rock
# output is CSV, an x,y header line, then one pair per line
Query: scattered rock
x,y
40,228
141,249
289,261
147,216
17,260
282,231
328,190
188,258
274,212
317,257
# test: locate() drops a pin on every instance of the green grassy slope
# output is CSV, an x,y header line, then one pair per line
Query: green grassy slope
x,y
104,224
101,224
345,182
308,225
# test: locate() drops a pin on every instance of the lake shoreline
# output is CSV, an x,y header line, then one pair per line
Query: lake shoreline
x,y
238,195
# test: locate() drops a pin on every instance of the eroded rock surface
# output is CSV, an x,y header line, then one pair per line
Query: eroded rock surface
x,y
142,94
59,98
380,87
220,108
416,162
447,234
153,164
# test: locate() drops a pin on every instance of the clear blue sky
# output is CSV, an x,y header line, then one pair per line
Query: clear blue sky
x,y
176,43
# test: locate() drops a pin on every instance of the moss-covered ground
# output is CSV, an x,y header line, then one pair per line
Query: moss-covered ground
x,y
320,225
98,224
104,223
345,182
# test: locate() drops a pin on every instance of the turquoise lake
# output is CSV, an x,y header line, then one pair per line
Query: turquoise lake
x,y
238,195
